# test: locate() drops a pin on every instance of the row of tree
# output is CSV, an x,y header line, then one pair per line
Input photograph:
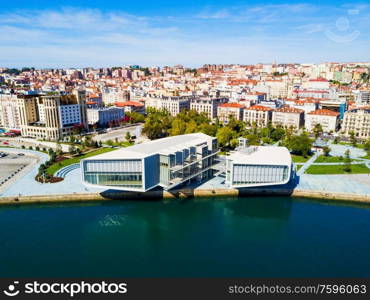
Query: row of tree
x,y
159,123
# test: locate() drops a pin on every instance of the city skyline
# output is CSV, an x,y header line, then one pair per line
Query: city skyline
x,y
68,34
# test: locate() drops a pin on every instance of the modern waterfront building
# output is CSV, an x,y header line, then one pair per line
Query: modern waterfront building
x,y
166,162
256,166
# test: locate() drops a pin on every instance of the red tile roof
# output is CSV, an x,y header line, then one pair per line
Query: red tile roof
x,y
287,109
324,112
129,103
260,108
232,105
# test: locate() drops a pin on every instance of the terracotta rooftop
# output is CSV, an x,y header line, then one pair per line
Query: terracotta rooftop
x,y
259,108
324,112
287,109
232,105
129,103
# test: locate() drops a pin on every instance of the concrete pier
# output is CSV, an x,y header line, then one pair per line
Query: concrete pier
x,y
183,193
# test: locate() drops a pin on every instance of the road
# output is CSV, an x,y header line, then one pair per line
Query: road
x,y
120,134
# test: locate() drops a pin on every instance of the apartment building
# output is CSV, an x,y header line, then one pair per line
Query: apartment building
x,y
227,110
363,98
258,115
111,96
288,117
131,106
103,116
9,113
207,106
357,121
329,120
174,105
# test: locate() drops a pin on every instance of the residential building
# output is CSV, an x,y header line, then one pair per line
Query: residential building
x,y
329,120
227,110
363,98
131,106
357,121
9,112
258,115
207,106
288,117
174,105
166,162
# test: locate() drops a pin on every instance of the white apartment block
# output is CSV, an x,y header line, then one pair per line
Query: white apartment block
x,y
328,119
207,106
258,114
227,110
357,121
288,117
9,113
174,105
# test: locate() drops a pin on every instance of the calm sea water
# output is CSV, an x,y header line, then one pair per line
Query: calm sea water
x,y
245,237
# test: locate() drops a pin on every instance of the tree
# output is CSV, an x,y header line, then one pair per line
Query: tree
x,y
326,150
191,127
299,144
353,139
367,145
78,151
178,127
72,149
347,162
128,136
336,140
224,136
317,130
208,129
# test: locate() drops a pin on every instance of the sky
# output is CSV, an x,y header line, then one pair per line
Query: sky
x,y
106,33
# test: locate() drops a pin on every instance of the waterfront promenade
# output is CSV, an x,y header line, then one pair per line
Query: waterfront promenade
x,y
355,186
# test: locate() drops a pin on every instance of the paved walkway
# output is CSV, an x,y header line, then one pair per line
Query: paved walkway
x,y
307,164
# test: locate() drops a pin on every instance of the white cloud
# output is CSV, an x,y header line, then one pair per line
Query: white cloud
x,y
85,37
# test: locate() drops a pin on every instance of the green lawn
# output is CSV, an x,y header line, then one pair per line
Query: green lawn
x,y
337,169
74,160
298,166
299,159
331,159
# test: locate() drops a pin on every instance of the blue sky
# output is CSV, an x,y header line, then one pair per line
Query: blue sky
x,y
111,33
